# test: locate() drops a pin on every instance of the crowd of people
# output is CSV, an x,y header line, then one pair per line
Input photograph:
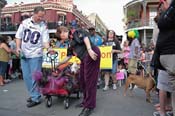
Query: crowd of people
x,y
22,56
9,62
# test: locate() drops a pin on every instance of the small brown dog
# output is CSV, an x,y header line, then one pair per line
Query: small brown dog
x,y
146,83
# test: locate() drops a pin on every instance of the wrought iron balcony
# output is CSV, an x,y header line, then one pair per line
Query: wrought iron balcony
x,y
139,23
9,27
14,27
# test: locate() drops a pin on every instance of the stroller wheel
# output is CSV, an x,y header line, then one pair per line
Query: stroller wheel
x,y
66,103
48,101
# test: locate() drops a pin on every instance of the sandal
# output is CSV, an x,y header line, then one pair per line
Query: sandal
x,y
157,105
169,113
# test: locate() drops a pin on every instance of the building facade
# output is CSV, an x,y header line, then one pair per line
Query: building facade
x,y
100,27
139,15
58,12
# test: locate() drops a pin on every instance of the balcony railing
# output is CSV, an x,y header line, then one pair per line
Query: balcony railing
x,y
52,25
140,23
14,27
9,27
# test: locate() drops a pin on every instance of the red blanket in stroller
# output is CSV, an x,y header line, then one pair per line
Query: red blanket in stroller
x,y
58,85
55,86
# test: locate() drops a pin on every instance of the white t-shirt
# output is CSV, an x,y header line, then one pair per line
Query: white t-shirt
x,y
135,43
12,45
32,36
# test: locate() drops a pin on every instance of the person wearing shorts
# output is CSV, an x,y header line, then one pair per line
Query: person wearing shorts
x,y
112,41
166,83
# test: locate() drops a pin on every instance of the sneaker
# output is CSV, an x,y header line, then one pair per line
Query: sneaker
x,y
135,87
82,112
7,81
114,86
158,114
130,86
88,112
17,74
13,76
29,99
169,113
32,104
105,88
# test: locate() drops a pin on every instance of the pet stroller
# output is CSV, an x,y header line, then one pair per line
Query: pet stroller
x,y
57,82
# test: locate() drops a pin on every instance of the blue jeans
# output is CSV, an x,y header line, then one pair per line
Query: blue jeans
x,y
114,66
3,68
30,65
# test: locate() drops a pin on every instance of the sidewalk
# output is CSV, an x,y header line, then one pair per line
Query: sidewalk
x,y
110,103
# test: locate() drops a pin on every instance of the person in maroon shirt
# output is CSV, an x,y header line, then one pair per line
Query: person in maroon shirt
x,y
89,55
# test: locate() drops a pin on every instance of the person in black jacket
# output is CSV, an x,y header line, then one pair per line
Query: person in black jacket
x,y
165,54
166,39
89,55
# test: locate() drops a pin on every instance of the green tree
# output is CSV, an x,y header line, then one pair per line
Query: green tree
x,y
131,14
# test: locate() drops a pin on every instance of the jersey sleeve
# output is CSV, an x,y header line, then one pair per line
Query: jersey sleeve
x,y
45,35
19,33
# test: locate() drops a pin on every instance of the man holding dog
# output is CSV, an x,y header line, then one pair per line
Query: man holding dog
x,y
134,55
31,36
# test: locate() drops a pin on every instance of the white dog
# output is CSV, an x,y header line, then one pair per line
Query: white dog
x,y
74,68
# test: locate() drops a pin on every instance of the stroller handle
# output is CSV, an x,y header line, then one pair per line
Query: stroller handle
x,y
52,53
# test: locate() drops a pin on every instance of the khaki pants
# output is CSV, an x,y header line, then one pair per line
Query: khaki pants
x,y
132,66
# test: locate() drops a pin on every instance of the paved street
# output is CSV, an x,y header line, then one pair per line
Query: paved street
x,y
111,103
